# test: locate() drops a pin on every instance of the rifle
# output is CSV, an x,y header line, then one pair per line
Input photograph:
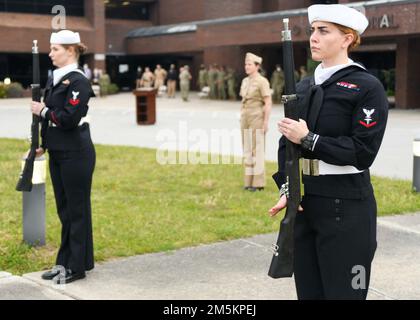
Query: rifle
x,y
25,179
282,261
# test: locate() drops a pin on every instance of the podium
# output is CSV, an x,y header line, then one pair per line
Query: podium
x,y
145,105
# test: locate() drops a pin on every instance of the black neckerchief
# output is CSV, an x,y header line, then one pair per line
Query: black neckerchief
x,y
313,100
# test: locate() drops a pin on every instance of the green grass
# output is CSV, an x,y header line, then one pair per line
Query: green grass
x,y
140,206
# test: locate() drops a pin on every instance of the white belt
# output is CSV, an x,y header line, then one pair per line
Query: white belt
x,y
82,121
315,167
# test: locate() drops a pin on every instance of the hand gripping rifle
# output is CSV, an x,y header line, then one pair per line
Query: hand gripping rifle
x,y
282,261
25,179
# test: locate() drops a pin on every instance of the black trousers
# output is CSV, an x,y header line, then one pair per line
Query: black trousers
x,y
335,241
71,175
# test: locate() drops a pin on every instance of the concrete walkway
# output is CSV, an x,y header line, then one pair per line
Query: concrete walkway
x,y
225,270
19,288
228,271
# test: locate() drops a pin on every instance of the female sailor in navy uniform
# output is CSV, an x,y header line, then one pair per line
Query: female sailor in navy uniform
x,y
65,134
344,112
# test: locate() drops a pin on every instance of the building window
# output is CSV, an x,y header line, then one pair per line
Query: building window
x,y
131,10
73,7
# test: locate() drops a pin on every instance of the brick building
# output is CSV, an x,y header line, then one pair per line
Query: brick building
x,y
122,35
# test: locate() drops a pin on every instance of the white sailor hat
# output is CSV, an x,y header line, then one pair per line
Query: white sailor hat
x,y
253,58
65,37
339,14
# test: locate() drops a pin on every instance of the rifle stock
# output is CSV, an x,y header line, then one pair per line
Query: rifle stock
x,y
25,178
283,258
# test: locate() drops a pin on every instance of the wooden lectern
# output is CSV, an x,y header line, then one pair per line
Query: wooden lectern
x,y
145,105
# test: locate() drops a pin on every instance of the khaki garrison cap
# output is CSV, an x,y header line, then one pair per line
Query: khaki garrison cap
x,y
253,58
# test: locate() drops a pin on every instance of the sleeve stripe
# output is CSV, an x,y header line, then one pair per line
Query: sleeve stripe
x,y
54,118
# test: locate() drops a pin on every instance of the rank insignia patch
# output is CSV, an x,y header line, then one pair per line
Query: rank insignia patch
x,y
74,101
368,121
350,86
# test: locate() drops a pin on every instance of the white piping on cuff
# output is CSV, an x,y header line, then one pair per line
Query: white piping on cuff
x,y
44,112
316,137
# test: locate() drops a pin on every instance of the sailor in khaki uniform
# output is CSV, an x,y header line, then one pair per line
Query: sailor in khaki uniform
x,y
256,107
147,79
160,76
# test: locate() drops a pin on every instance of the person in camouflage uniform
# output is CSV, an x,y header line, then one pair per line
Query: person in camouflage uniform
x,y
212,75
231,84
184,82
221,84
202,77
277,83
303,72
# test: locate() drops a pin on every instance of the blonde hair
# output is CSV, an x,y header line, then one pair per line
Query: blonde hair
x,y
346,30
79,48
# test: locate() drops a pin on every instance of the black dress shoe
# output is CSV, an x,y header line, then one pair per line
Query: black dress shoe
x,y
69,277
49,275
259,188
252,189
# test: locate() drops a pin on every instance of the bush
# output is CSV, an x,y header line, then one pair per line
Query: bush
x,y
311,66
113,88
389,79
106,86
2,90
14,90
104,83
